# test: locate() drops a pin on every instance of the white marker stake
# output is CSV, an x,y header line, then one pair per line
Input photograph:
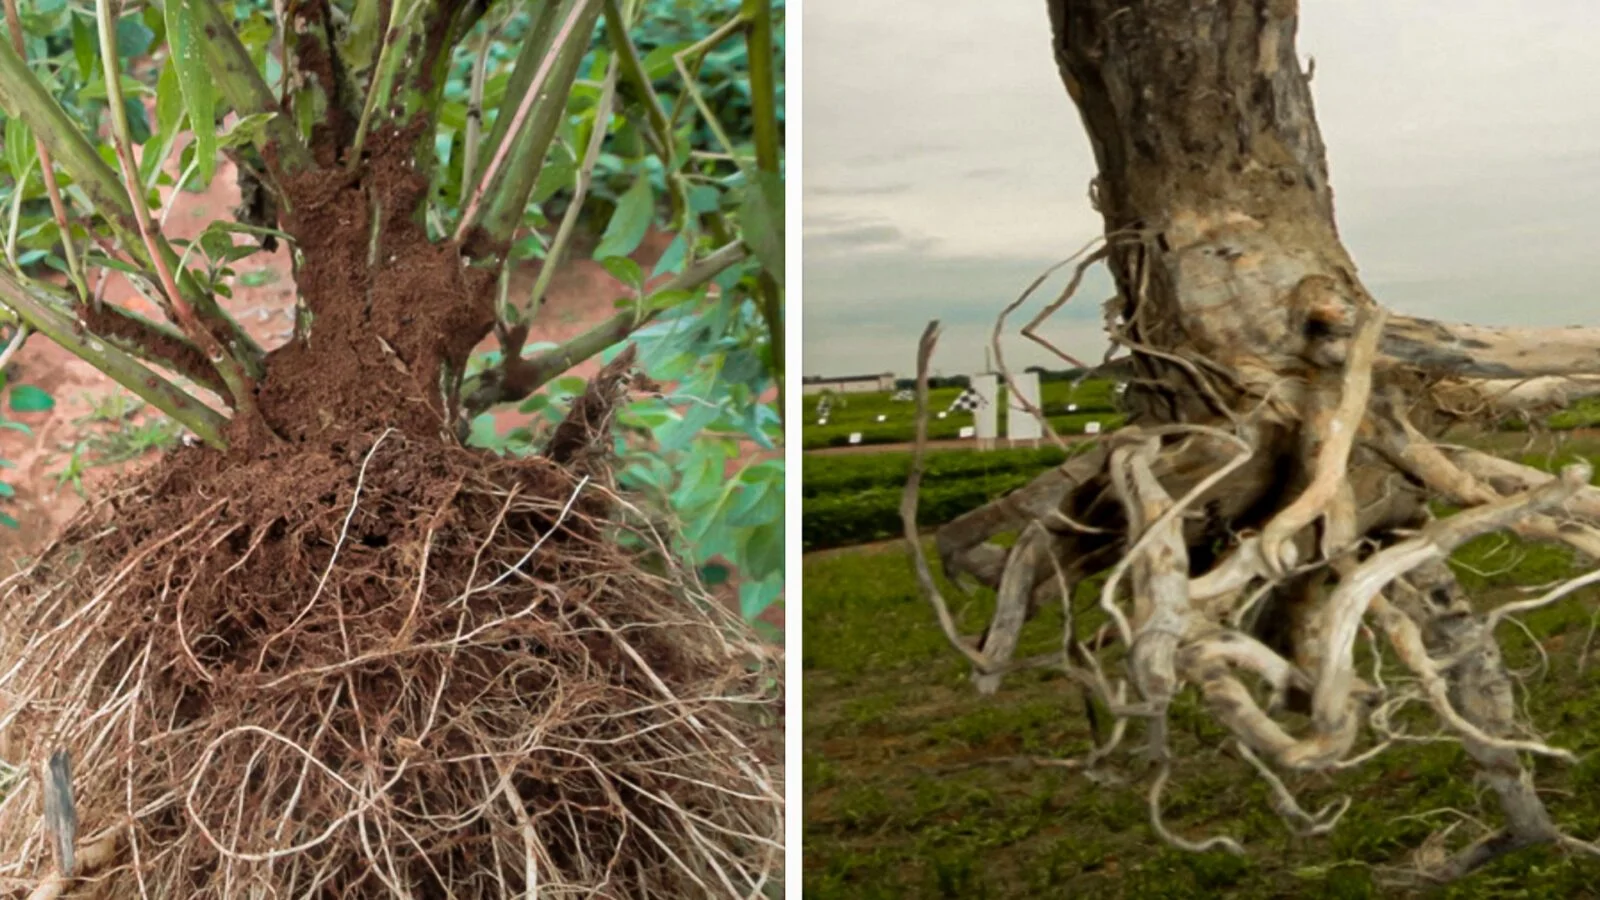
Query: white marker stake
x,y
1091,428
943,414
822,421
1072,407
855,437
968,431
883,418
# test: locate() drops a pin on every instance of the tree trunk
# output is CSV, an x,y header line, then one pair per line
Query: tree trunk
x,y
1281,430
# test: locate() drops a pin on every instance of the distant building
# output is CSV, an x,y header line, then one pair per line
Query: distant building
x,y
847,384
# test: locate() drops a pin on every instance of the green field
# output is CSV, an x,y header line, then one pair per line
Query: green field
x,y
915,786
859,412
855,498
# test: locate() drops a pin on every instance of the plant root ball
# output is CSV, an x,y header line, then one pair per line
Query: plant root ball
x,y
397,668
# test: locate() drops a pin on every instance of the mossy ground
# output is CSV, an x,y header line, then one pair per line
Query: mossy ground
x,y
900,803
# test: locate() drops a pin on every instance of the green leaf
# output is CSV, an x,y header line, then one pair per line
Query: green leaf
x,y
761,214
624,270
756,504
755,597
19,147
678,435
169,116
361,41
138,119
762,553
85,48
251,129
8,522
629,224
132,88
133,37
704,199
483,433
674,257
199,91
669,299
658,62
7,490
27,398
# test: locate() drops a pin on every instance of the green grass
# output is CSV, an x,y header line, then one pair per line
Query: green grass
x,y
906,796
859,413
853,499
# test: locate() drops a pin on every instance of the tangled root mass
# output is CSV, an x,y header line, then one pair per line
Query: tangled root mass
x,y
351,658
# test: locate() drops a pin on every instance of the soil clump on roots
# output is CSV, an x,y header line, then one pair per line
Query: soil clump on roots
x,y
348,657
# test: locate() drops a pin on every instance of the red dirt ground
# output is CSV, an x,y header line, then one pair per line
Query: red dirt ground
x,y
581,295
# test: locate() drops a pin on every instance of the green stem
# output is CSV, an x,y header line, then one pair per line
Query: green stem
x,y
530,131
474,134
637,80
24,96
246,92
44,318
516,378
580,190
535,44
396,35
763,82
228,367
448,22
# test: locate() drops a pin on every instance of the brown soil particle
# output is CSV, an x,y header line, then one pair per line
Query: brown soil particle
x,y
380,333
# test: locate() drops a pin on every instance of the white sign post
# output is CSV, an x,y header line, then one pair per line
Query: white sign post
x,y
1021,423
985,417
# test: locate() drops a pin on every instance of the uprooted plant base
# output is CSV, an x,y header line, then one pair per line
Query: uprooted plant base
x,y
395,670
349,657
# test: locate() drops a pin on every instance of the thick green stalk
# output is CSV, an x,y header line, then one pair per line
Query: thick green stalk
x,y
580,190
391,52
534,46
229,367
447,23
638,80
763,82
531,130
44,318
516,378
246,92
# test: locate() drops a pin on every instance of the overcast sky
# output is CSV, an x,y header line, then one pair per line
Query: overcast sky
x,y
945,168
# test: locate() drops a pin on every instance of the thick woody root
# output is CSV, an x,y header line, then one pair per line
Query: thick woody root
x,y
396,669
1312,551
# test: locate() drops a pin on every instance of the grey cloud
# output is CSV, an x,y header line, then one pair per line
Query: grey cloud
x,y
1463,145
